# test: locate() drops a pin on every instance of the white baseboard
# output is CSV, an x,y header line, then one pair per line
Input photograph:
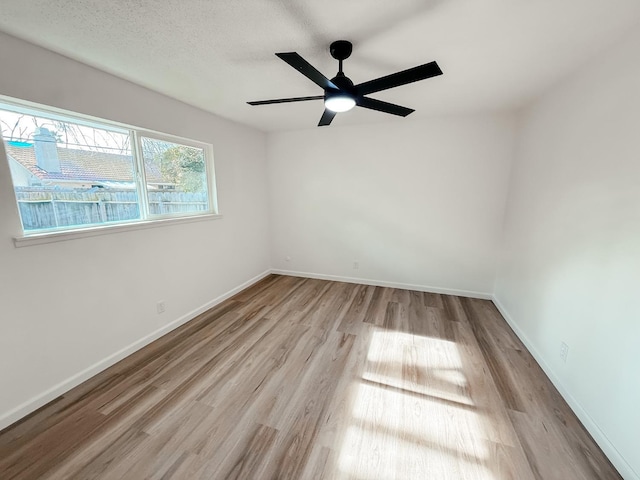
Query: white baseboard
x,y
45,397
381,283
598,435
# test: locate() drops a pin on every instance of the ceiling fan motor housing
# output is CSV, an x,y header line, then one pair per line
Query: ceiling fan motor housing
x,y
343,83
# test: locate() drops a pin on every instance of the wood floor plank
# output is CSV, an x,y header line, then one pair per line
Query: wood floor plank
x,y
453,308
433,300
332,306
298,378
118,433
245,460
378,305
355,314
508,389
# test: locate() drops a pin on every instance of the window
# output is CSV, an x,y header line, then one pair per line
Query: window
x,y
70,172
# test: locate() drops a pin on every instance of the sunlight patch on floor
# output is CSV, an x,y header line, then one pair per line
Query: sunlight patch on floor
x,y
422,365
412,415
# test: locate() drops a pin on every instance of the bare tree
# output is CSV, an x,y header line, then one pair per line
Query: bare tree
x,y
15,131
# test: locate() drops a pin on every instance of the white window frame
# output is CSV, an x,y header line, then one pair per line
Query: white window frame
x,y
146,219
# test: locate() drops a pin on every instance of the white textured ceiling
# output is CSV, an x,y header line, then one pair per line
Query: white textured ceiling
x,y
218,54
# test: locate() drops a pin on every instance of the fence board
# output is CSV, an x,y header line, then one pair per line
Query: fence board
x,y
50,208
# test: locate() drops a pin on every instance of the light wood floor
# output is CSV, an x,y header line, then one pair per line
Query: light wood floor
x,y
300,378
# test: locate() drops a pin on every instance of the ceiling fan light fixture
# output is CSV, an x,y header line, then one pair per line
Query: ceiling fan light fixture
x,y
339,102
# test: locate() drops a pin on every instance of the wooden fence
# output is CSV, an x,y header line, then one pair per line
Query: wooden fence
x,y
40,208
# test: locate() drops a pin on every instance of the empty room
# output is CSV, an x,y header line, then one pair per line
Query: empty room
x,y
320,240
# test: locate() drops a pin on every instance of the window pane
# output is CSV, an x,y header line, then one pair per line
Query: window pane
x,y
176,177
67,174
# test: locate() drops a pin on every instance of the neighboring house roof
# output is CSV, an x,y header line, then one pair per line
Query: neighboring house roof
x,y
83,165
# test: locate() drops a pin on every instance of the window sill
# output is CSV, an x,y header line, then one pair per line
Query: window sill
x,y
50,237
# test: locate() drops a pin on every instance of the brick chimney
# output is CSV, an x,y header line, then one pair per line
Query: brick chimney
x,y
46,150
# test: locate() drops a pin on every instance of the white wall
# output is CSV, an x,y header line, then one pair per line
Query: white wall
x,y
414,202
571,265
66,306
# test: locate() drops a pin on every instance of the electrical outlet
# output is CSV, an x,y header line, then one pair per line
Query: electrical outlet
x,y
160,306
564,351
356,265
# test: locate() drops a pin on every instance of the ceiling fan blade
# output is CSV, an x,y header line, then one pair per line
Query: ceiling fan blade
x,y
286,100
404,77
385,107
326,118
308,70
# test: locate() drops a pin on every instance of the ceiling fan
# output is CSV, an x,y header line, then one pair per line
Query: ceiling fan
x,y
341,95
